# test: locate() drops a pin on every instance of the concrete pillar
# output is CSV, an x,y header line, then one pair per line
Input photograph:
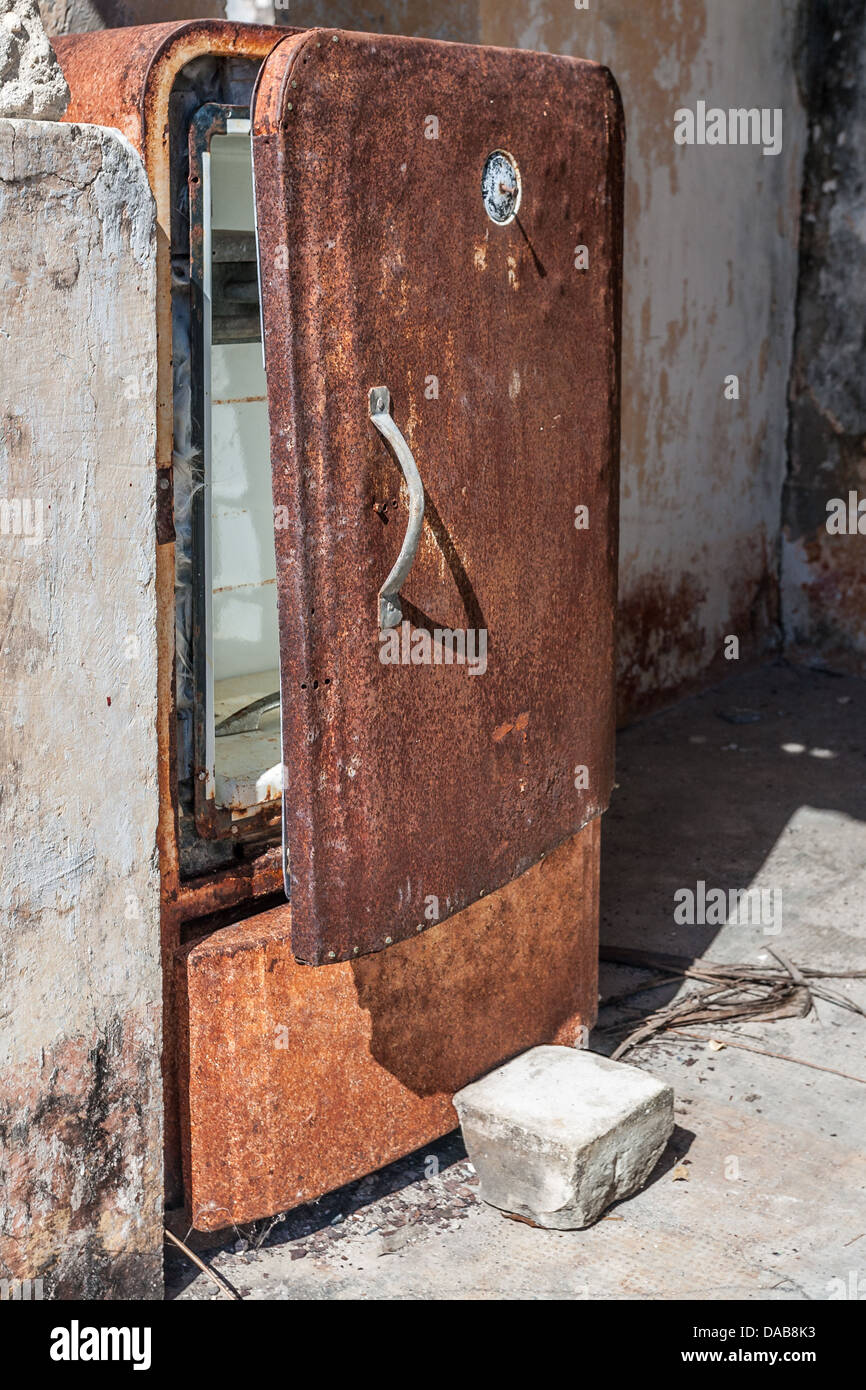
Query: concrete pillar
x,y
80,989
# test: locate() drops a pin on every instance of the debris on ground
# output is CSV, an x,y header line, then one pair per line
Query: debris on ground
x,y
735,993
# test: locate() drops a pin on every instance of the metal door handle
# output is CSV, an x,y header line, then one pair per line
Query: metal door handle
x,y
390,610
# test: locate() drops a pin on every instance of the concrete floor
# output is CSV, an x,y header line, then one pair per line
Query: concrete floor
x,y
761,781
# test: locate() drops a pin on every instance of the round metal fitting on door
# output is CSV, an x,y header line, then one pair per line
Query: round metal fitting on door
x,y
500,187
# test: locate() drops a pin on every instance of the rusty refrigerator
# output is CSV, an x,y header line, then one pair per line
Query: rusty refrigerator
x,y
437,242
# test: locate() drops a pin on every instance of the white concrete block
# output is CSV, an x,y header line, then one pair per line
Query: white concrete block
x,y
557,1134
31,83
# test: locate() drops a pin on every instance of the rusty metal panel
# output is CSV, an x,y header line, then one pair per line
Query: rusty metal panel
x,y
122,77
296,1081
414,789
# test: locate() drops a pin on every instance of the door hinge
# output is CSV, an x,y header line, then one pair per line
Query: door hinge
x,y
164,506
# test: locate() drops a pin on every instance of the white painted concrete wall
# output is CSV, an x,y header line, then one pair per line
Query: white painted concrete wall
x,y
80,984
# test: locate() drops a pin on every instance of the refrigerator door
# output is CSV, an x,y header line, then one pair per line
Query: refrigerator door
x,y
439,233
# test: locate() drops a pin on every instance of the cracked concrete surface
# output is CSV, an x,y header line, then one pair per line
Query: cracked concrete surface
x,y
761,1193
31,83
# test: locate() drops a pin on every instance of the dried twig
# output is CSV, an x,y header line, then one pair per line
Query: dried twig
x,y
211,1273
733,993
267,1227
765,1052
689,965
719,1003
831,996
796,975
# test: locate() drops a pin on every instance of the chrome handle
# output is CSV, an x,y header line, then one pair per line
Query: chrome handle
x,y
390,610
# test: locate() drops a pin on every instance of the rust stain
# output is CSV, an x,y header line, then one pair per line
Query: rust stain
x,y
237,400
665,650
520,724
660,637
90,1230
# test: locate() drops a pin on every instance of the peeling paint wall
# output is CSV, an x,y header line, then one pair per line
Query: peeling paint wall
x,y
81,16
457,20
710,269
80,987
824,573
710,277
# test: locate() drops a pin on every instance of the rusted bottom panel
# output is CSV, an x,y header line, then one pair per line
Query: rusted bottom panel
x,y
300,1079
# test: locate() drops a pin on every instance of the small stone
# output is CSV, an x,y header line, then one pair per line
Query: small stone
x,y
32,85
557,1134
392,1241
740,716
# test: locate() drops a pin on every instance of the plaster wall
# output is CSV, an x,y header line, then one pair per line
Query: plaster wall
x,y
80,987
